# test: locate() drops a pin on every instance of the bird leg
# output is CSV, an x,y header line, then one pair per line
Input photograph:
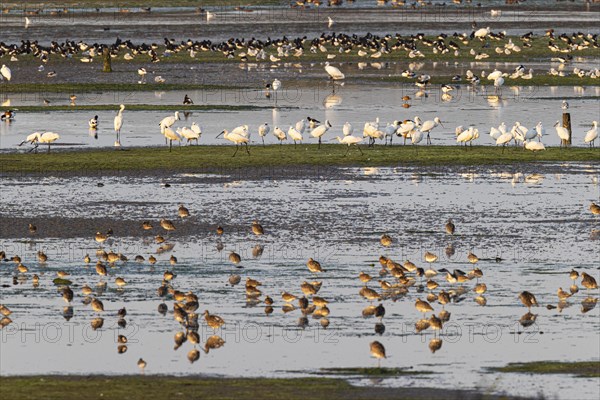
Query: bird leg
x,y
236,150
319,143
263,140
347,151
247,148
170,145
428,138
359,149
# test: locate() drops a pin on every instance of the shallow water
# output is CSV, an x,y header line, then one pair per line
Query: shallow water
x,y
535,219
358,18
353,102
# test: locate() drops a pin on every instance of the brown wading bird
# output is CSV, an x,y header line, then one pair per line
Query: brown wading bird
x,y
377,351
183,211
423,306
588,281
257,228
167,225
214,321
595,208
386,240
528,299
314,266
450,228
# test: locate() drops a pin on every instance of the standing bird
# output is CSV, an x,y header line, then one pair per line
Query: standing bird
x,y
187,101
334,74
528,299
592,134
377,351
168,122
294,135
320,130
347,129
428,126
171,135
563,134
276,85
540,130
350,141
564,105
5,72
118,124
142,73
450,227
588,281
263,131
237,139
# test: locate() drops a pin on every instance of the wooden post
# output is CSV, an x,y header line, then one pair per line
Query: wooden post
x,y
567,124
107,67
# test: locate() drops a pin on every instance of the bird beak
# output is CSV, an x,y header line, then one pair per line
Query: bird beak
x,y
442,124
220,133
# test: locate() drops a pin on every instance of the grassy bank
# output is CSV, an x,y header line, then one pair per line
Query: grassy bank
x,y
588,369
218,158
165,387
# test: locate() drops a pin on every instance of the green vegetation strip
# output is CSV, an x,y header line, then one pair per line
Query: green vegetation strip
x,y
169,387
218,158
141,107
588,369
108,87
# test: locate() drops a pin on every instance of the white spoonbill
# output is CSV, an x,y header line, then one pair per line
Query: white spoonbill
x,y
592,134
279,134
390,131
498,82
534,146
263,131
171,135
407,127
188,134
350,140
196,128
118,124
237,139
563,134
276,85
301,125
466,136
168,122
241,130
334,73
428,126
347,129
540,131
504,139
294,135
320,130
5,72
45,138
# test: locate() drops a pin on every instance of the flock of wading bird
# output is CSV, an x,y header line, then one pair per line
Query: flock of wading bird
x,y
396,281
415,130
